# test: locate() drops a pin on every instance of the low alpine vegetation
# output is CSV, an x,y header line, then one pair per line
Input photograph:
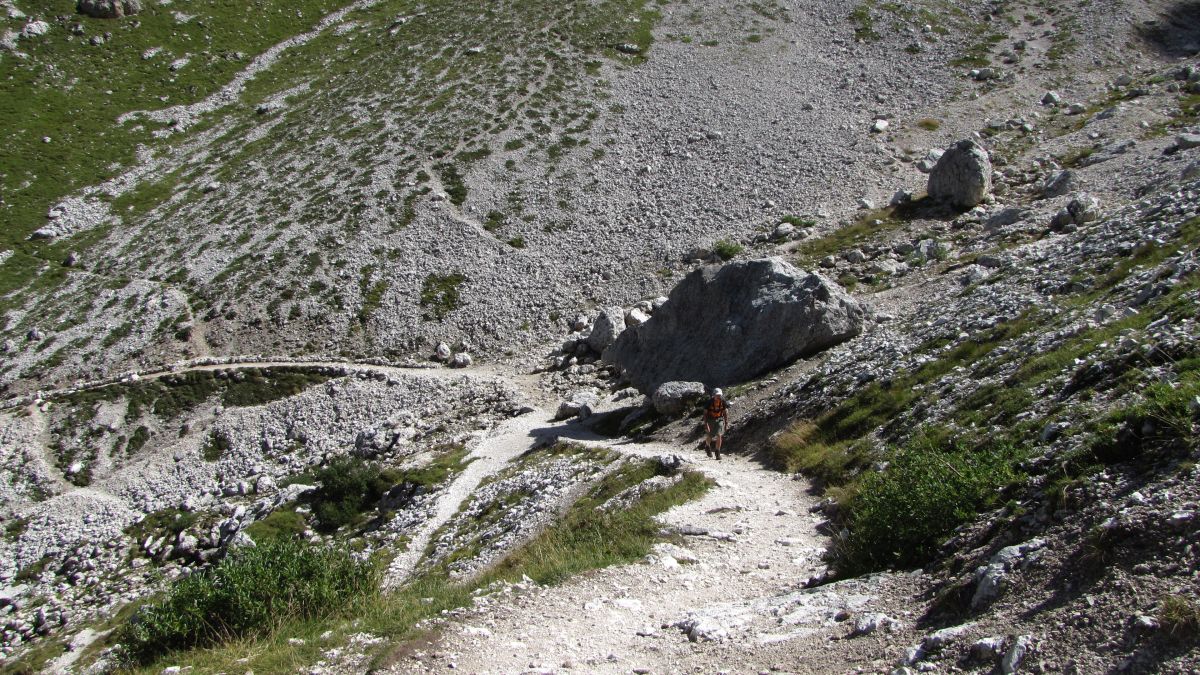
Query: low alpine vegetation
x,y
1180,615
900,515
247,595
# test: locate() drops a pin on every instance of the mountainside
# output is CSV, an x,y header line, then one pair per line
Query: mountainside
x,y
315,296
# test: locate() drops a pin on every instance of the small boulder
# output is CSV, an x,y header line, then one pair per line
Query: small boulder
x,y
1059,184
636,317
442,352
673,398
606,328
870,623
1083,208
580,405
35,29
1016,654
109,9
1187,141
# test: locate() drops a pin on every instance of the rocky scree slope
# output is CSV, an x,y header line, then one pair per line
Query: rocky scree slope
x,y
1059,338
319,211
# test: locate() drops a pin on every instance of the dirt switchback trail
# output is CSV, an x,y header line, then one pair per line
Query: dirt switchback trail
x,y
727,593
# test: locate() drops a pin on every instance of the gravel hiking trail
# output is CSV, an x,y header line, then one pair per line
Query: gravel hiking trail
x,y
501,445
727,591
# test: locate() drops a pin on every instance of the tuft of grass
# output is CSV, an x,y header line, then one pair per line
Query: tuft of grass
x,y
495,220
1074,157
586,538
929,124
978,55
726,249
798,221
1162,417
1180,615
15,528
800,448
440,294
280,525
248,594
168,522
850,236
372,293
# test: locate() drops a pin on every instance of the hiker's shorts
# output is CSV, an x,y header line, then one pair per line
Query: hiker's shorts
x,y
714,427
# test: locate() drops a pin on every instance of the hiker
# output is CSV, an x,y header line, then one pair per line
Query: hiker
x,y
716,420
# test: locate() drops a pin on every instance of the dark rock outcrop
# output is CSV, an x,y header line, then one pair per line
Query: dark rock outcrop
x,y
728,324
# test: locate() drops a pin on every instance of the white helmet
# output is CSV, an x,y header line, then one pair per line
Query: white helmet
x,y
718,392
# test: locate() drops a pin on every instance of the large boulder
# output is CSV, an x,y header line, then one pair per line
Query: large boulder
x,y
962,176
728,324
109,9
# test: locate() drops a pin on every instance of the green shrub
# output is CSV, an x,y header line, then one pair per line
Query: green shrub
x,y
138,440
453,181
247,595
929,124
439,294
797,221
348,487
14,528
726,249
215,447
901,514
495,220
168,522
